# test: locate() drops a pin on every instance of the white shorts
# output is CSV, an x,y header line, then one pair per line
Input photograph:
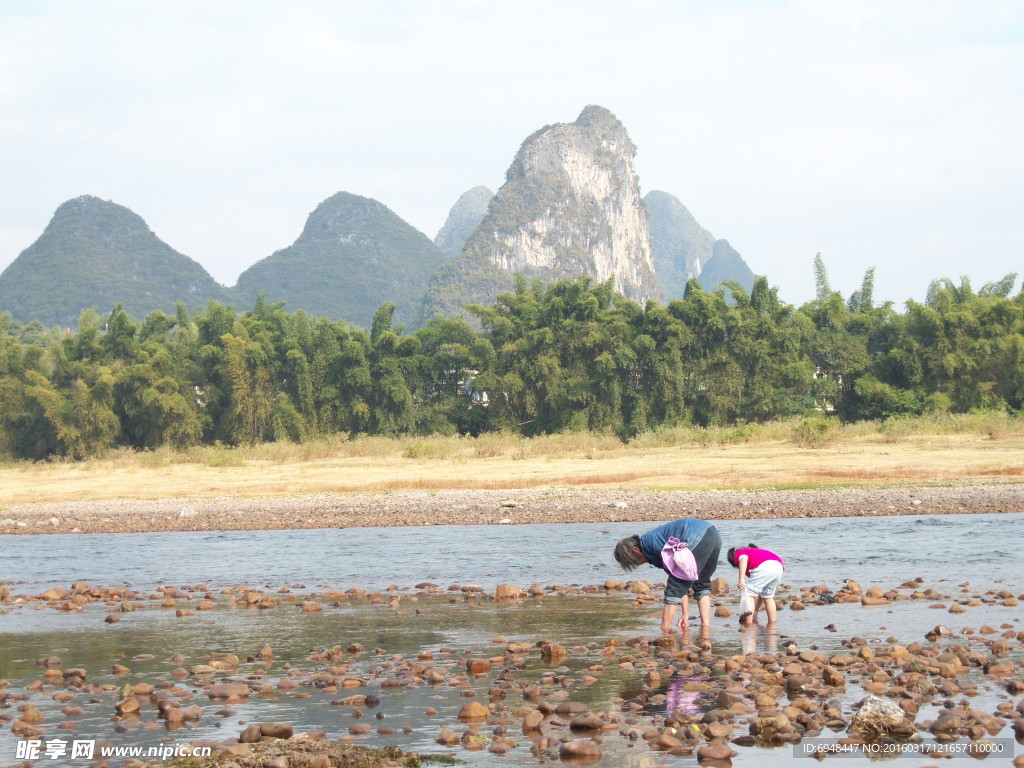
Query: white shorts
x,y
762,581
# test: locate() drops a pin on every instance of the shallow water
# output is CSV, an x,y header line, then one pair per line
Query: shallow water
x,y
866,549
883,551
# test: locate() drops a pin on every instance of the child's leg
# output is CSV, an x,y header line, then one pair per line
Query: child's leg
x,y
771,578
757,608
770,609
684,618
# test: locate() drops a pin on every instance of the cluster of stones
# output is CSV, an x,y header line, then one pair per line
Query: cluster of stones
x,y
185,600
188,600
168,701
912,590
742,700
757,699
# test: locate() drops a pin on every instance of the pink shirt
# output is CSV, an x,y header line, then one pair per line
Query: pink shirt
x,y
756,556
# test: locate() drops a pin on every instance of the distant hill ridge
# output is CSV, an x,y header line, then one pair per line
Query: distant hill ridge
x,y
570,206
726,265
683,249
96,253
680,245
468,211
353,255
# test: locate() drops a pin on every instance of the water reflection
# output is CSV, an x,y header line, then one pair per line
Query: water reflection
x,y
756,639
678,699
702,639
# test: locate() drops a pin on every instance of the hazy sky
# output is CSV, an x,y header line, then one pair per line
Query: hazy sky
x,y
885,133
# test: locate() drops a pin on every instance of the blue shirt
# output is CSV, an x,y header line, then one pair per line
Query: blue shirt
x,y
688,529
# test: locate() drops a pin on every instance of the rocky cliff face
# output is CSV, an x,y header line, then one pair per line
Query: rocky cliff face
x,y
681,247
353,255
570,206
468,211
94,254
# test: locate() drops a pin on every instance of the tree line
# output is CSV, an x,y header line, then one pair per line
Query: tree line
x,y
571,355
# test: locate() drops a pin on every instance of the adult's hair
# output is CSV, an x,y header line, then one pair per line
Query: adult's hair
x,y
731,556
624,554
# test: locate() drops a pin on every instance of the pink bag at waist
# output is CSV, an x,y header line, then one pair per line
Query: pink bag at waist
x,y
679,560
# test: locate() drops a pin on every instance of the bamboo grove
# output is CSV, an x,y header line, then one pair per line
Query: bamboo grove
x,y
572,355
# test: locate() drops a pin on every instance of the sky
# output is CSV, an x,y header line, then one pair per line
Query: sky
x,y
880,133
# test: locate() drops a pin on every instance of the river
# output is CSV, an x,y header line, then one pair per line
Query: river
x,y
960,555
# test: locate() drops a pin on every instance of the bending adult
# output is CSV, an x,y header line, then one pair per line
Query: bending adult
x,y
704,542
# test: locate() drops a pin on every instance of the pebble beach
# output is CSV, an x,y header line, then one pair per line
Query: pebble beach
x,y
488,507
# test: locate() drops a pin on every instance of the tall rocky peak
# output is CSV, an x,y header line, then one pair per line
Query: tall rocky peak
x,y
353,255
570,206
726,264
94,254
681,247
468,211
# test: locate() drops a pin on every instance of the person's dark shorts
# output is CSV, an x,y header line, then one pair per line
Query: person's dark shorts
x,y
706,554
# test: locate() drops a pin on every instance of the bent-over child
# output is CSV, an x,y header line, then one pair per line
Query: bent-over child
x,y
760,574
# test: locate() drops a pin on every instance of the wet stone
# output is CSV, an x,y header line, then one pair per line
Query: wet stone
x,y
580,748
715,752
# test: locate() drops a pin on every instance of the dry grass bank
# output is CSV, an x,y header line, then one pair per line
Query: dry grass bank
x,y
804,454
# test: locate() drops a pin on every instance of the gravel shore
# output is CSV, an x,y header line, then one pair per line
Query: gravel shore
x,y
480,507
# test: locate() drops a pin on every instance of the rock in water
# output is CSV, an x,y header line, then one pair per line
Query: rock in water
x,y
877,717
716,753
579,748
474,710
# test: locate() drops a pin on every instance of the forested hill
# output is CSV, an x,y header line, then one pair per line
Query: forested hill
x,y
95,253
684,250
725,265
680,246
573,355
353,255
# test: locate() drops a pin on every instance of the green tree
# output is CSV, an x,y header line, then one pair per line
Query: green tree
x,y
246,375
822,287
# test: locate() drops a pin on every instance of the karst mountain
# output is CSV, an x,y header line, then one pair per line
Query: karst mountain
x,y
684,250
469,210
570,206
726,265
353,255
95,254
